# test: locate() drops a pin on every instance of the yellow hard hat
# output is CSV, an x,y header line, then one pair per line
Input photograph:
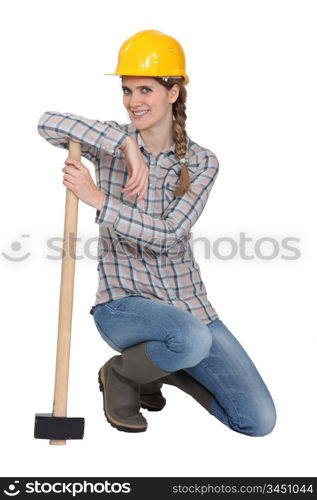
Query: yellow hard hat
x,y
151,53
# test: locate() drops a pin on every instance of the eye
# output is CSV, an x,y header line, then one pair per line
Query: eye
x,y
144,90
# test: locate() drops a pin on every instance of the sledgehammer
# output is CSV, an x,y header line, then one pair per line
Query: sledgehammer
x,y
57,427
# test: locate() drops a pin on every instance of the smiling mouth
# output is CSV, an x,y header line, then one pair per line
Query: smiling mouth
x,y
139,114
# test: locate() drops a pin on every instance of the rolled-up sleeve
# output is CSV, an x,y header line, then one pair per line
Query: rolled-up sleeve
x,y
161,234
96,137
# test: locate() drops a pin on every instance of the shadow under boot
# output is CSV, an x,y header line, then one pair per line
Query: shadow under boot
x,y
119,381
181,379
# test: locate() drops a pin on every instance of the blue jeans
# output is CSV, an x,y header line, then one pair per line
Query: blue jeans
x,y
177,340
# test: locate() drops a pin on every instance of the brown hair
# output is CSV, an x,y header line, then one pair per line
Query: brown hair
x,y
179,131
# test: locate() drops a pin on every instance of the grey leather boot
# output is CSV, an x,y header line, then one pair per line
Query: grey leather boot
x,y
151,397
183,381
119,380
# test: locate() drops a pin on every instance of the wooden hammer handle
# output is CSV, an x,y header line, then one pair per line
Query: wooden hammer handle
x,y
66,298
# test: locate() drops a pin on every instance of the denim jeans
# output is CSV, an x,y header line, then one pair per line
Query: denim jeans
x,y
176,339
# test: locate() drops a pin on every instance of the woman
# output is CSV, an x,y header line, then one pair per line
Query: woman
x,y
152,183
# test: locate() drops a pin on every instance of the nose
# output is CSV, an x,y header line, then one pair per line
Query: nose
x,y
135,100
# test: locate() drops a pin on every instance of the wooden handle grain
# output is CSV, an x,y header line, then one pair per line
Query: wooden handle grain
x,y
66,298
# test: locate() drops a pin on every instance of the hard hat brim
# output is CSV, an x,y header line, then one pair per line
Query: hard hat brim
x,y
186,79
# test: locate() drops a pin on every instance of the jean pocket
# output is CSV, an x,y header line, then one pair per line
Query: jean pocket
x,y
114,305
127,304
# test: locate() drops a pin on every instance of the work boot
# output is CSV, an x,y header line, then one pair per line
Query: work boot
x,y
183,381
119,380
151,398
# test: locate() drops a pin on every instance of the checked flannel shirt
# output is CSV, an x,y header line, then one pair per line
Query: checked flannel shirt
x,y
143,248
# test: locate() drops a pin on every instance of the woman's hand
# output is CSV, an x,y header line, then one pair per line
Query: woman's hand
x,y
137,168
77,178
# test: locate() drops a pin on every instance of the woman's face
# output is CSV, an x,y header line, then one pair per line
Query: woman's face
x,y
147,102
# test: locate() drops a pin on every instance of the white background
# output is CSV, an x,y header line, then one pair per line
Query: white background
x,y
252,101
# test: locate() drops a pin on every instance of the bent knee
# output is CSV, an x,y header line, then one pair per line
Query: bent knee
x,y
197,345
263,427
260,424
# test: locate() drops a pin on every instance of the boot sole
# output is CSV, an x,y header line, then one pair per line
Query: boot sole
x,y
115,423
147,407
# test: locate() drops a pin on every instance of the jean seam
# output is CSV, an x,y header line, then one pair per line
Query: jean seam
x,y
229,396
217,415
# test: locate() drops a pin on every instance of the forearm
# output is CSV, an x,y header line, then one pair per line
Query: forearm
x,y
156,233
95,136
99,201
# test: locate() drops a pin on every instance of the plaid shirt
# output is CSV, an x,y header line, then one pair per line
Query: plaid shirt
x,y
143,247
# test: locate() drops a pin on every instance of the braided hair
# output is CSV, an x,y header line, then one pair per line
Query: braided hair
x,y
179,131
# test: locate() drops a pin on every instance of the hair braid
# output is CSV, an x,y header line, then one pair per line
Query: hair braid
x,y
179,132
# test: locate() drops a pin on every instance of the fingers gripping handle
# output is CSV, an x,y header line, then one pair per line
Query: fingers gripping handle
x,y
66,298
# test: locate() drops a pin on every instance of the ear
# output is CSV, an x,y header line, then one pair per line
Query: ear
x,y
173,93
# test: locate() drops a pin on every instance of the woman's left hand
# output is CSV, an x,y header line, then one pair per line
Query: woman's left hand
x,y
77,178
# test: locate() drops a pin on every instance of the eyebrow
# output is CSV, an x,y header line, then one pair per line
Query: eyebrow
x,y
139,87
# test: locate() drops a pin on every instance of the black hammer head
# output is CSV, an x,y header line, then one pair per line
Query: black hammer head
x,y
58,428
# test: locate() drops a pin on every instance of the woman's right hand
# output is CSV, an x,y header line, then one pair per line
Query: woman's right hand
x,y
137,168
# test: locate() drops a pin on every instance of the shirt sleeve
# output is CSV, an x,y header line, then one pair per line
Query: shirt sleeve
x,y
161,234
95,137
